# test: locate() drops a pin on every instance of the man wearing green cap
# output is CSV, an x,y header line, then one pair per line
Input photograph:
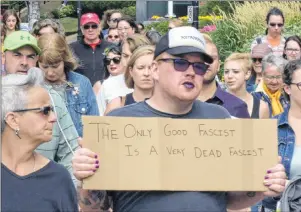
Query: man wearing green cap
x,y
21,53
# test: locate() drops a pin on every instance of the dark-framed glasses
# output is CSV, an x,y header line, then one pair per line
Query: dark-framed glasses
x,y
291,50
115,60
182,65
111,36
270,78
297,84
257,59
115,20
93,26
44,110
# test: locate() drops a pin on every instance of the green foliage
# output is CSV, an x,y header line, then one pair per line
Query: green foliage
x,y
236,31
100,7
67,10
16,5
130,11
214,7
160,26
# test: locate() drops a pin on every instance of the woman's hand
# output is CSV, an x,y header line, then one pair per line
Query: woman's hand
x,y
84,163
275,180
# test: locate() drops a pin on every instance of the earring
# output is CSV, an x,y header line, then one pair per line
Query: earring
x,y
17,133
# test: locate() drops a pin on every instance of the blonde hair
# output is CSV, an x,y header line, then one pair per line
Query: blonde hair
x,y
244,58
176,22
135,41
54,49
139,52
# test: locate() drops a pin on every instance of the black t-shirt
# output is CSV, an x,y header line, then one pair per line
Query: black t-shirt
x,y
167,201
129,99
46,190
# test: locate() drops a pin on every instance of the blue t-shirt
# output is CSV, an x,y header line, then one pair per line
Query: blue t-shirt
x,y
46,190
167,201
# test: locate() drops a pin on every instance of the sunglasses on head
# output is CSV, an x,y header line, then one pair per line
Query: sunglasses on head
x,y
274,24
115,19
256,59
44,110
115,60
93,26
182,65
111,36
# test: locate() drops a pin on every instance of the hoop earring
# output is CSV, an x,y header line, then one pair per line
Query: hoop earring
x,y
17,133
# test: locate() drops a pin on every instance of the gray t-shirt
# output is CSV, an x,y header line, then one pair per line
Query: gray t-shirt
x,y
166,201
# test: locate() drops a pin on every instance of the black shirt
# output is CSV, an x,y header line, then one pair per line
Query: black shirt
x,y
91,61
46,190
129,99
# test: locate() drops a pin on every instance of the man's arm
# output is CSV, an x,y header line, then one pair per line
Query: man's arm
x,y
93,200
241,200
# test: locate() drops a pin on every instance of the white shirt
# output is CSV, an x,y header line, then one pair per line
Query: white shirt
x,y
111,88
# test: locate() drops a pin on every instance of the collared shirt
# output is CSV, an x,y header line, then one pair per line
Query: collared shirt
x,y
235,106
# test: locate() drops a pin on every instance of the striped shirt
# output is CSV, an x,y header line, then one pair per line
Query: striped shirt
x,y
57,149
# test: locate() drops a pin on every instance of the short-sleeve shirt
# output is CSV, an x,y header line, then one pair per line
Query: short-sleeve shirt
x,y
48,189
167,201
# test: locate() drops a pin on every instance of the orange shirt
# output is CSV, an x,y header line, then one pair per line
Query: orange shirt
x,y
274,41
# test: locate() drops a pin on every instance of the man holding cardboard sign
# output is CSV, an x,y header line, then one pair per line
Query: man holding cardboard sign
x,y
178,70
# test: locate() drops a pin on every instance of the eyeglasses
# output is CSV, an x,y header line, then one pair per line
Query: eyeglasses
x,y
290,50
256,59
297,84
93,26
115,20
44,110
182,65
115,36
270,78
115,60
274,24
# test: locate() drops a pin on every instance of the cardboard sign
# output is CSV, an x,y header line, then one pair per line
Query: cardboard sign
x,y
180,155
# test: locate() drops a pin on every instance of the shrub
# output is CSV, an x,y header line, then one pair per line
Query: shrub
x,y
160,26
66,11
236,31
130,11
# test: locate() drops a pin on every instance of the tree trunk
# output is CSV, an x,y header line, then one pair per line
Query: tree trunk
x,y
33,12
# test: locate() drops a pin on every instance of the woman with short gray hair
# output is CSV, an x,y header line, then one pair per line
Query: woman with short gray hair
x,y
32,182
270,88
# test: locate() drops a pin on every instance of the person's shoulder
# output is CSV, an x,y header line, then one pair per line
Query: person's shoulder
x,y
75,44
128,110
105,44
235,101
216,111
78,77
58,171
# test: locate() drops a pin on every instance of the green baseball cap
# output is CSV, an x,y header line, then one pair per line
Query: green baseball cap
x,y
18,39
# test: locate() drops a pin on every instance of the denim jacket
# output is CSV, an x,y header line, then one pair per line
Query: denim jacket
x,y
81,99
261,95
286,145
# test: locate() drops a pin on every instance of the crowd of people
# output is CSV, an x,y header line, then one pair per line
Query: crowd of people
x,y
48,85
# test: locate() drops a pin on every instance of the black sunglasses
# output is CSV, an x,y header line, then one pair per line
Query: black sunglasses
x,y
93,26
45,110
111,36
182,65
274,24
256,59
115,19
115,60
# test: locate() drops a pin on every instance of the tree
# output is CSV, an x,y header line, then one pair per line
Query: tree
x,y
33,12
